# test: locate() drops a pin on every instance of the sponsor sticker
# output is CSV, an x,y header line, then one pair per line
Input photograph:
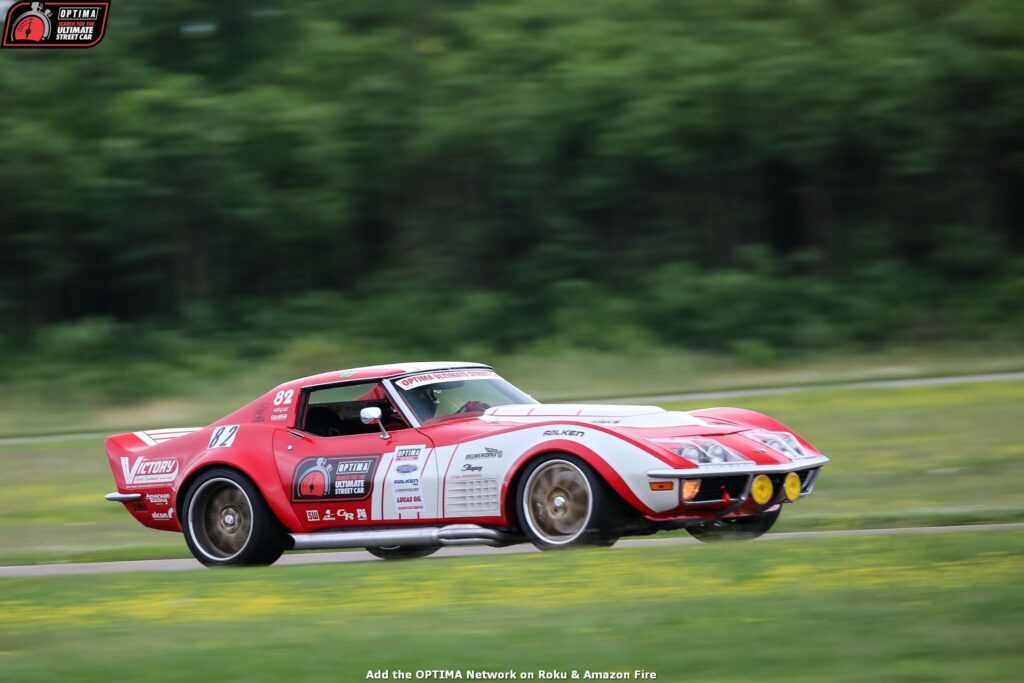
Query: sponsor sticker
x,y
563,432
164,516
487,453
407,453
158,498
472,468
145,471
334,478
406,489
446,376
336,514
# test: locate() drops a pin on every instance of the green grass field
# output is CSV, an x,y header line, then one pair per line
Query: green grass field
x,y
904,608
915,456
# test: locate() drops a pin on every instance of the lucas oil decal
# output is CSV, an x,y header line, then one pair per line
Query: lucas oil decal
x,y
334,478
144,471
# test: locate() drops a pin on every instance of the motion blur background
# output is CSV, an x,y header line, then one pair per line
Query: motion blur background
x,y
223,187
601,199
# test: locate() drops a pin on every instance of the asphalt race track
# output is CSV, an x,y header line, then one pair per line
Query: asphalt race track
x,y
362,556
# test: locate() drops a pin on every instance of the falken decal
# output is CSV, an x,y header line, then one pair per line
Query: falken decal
x,y
334,478
563,432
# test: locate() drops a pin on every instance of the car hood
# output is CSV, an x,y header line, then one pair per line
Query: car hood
x,y
608,416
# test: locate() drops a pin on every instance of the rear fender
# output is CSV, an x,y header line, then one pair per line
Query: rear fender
x,y
260,468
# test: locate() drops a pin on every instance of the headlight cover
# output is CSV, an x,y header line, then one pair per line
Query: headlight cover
x,y
783,442
701,451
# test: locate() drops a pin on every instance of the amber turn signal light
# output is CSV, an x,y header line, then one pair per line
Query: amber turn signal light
x,y
661,485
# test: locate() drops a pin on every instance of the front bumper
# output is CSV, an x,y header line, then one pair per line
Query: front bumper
x,y
730,484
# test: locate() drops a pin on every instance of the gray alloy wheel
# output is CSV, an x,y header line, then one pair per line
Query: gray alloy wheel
x,y
562,502
227,522
220,519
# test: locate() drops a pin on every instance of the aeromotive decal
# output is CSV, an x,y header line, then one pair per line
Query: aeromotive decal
x,y
447,376
334,478
144,472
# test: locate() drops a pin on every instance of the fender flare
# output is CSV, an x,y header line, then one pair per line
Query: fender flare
x,y
258,469
600,465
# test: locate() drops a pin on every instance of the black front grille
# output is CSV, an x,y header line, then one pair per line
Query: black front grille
x,y
714,488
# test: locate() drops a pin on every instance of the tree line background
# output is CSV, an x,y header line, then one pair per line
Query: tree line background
x,y
762,177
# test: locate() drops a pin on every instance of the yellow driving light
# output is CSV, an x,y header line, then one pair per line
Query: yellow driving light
x,y
690,489
761,489
792,486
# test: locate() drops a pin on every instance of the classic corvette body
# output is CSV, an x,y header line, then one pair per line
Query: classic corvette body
x,y
403,459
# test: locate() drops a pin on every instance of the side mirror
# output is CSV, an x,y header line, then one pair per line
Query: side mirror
x,y
371,416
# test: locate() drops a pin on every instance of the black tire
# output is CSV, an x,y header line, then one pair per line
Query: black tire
x,y
403,552
561,502
735,528
227,521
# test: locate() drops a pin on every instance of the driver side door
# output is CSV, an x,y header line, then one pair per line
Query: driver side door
x,y
337,479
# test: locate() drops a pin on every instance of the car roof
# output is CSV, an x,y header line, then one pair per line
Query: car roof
x,y
380,371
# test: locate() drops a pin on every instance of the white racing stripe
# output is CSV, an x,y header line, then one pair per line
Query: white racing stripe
x,y
361,556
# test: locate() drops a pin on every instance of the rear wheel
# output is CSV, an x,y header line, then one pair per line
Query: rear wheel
x,y
403,552
227,522
563,502
735,528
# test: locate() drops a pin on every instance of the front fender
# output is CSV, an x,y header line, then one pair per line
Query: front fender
x,y
600,465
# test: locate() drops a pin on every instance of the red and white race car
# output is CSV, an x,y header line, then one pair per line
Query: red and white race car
x,y
404,459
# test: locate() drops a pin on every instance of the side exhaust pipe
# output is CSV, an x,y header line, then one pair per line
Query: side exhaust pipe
x,y
452,534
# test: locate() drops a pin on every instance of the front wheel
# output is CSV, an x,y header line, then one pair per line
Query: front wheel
x,y
403,552
563,502
735,528
227,522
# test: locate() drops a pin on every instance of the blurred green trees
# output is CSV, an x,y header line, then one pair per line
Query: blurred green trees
x,y
752,175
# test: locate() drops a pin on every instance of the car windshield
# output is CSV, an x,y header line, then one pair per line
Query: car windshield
x,y
451,394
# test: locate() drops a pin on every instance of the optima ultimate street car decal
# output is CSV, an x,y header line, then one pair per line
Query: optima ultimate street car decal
x,y
335,478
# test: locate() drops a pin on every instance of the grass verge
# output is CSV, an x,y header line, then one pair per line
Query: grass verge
x,y
908,608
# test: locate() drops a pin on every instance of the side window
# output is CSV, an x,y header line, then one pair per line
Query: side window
x,y
334,411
